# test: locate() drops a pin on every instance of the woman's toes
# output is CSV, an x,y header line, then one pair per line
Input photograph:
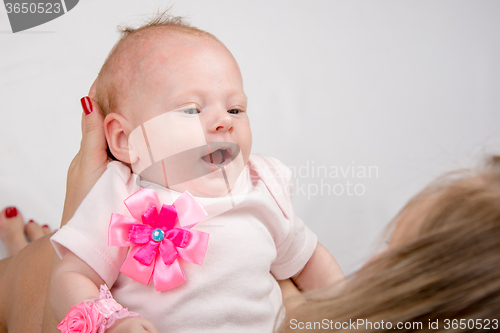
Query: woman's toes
x,y
34,230
46,229
12,230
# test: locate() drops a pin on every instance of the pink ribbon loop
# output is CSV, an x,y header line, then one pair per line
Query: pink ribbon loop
x,y
119,230
159,238
140,233
168,252
150,217
147,253
180,237
169,215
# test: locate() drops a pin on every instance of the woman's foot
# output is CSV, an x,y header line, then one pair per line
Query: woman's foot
x,y
13,231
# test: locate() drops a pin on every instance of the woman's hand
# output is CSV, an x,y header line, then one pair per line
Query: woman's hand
x,y
291,295
91,160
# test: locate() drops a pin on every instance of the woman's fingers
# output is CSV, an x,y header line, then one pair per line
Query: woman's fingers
x,y
292,297
93,139
91,160
288,289
93,89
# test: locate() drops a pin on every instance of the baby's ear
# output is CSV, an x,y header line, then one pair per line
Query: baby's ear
x,y
116,129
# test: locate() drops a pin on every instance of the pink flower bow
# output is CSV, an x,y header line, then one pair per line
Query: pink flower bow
x,y
162,238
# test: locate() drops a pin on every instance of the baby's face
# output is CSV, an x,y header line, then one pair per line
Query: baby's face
x,y
187,94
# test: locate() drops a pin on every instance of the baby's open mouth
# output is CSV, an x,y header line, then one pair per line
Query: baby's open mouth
x,y
223,154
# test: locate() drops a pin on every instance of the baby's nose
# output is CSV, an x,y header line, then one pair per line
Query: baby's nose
x,y
221,121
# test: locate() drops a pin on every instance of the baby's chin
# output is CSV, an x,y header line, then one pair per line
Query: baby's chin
x,y
209,186
215,183
212,185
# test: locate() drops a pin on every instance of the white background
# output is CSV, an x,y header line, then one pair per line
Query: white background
x,y
410,87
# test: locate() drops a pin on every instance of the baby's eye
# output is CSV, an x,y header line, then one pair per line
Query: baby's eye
x,y
233,111
190,111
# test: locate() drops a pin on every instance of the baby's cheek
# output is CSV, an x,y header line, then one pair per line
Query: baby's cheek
x,y
244,134
164,136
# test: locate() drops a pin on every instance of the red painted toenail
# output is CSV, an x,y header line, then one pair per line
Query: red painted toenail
x,y
45,226
31,221
11,212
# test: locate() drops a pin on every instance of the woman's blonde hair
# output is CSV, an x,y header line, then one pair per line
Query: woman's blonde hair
x,y
447,270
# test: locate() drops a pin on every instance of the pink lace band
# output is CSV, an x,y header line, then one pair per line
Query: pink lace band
x,y
95,315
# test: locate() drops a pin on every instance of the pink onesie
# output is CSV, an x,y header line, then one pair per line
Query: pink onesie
x,y
251,244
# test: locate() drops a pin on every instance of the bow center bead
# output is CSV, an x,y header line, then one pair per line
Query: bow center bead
x,y
157,235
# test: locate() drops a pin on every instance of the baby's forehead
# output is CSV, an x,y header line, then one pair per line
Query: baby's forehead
x,y
143,54
146,60
162,42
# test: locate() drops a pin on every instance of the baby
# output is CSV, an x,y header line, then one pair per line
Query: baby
x,y
176,114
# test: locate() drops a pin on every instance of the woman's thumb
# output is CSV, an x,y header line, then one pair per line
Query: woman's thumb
x,y
92,123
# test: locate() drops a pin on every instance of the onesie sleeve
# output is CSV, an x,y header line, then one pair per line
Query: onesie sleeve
x,y
86,234
295,242
294,253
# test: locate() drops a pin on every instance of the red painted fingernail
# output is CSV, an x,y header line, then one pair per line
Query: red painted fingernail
x,y
86,105
31,221
45,226
11,212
